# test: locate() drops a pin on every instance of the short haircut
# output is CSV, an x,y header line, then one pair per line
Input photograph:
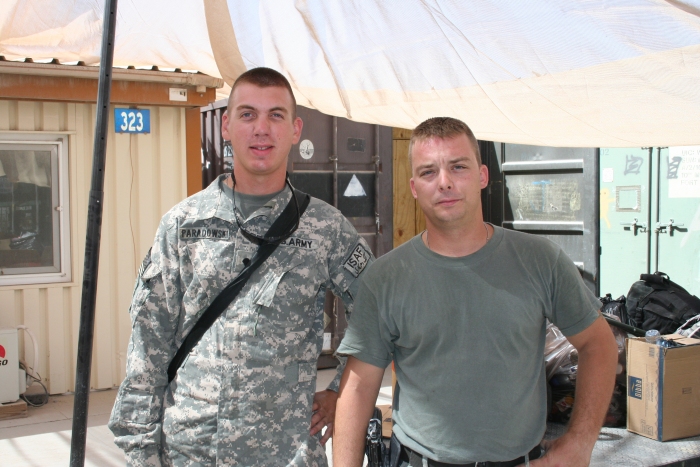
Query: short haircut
x,y
264,78
442,128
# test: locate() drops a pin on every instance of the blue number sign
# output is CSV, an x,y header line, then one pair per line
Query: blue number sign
x,y
132,120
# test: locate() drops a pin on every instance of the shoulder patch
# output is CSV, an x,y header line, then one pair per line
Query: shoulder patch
x,y
357,261
148,269
145,263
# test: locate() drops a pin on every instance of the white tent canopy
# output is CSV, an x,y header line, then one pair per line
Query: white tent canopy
x,y
567,73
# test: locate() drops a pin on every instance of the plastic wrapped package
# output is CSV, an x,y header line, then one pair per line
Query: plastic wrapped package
x,y
561,365
559,354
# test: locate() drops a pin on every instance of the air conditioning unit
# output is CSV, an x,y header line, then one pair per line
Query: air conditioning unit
x,y
9,366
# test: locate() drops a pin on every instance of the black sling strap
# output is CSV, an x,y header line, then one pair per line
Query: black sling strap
x,y
282,225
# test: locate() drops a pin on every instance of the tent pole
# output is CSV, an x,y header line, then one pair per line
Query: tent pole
x,y
92,241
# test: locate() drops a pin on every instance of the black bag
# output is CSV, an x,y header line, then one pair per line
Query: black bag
x,y
616,307
656,302
375,450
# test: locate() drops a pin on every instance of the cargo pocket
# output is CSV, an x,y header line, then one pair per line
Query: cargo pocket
x,y
300,373
136,406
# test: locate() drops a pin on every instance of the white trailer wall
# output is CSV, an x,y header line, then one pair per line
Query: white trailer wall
x,y
145,176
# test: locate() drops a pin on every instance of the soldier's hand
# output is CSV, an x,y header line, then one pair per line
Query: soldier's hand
x,y
324,413
565,451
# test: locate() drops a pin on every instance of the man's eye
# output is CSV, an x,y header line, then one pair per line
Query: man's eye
x,y
246,114
426,173
278,115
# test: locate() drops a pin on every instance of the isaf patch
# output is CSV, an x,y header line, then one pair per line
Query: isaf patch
x,y
357,261
148,269
203,232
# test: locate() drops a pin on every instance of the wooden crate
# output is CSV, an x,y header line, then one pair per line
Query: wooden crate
x,y
13,410
387,422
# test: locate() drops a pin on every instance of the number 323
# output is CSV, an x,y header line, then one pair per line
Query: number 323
x,y
131,121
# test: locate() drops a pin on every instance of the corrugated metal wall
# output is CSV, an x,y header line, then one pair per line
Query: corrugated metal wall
x,y
145,176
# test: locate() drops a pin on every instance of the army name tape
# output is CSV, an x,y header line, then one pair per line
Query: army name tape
x,y
188,233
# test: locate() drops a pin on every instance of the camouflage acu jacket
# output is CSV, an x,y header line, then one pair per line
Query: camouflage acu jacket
x,y
244,394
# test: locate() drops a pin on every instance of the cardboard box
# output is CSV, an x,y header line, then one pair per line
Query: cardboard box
x,y
387,421
663,388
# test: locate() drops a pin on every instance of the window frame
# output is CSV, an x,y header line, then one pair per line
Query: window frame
x,y
61,205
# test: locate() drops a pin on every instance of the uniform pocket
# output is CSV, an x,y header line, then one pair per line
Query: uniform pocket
x,y
303,277
137,406
307,372
212,262
303,372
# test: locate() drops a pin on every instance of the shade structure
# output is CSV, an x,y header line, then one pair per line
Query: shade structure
x,y
619,73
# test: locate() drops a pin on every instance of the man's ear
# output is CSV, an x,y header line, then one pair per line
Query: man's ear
x,y
413,188
298,125
483,176
224,127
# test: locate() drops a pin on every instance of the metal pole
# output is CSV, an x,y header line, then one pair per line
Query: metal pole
x,y
648,232
203,144
92,242
377,221
212,147
658,199
334,160
220,138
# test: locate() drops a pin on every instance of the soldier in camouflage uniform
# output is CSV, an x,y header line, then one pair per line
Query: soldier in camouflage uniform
x,y
245,394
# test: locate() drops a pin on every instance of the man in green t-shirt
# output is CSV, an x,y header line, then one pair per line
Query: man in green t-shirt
x,y
461,309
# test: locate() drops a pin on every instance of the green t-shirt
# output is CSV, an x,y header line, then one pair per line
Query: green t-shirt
x,y
248,204
467,336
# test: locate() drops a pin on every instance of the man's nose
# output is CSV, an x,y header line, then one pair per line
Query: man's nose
x,y
444,180
262,126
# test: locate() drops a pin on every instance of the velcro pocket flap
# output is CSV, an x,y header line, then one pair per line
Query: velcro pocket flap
x,y
151,271
267,287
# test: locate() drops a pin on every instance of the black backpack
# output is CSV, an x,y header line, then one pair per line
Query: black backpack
x,y
616,307
656,302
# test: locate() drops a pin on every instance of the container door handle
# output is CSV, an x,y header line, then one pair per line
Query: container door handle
x,y
670,225
635,225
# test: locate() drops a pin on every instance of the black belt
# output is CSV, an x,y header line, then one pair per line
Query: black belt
x,y
416,459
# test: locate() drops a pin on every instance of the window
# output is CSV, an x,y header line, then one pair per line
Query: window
x,y
34,228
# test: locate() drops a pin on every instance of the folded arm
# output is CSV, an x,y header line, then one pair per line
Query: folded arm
x,y
597,361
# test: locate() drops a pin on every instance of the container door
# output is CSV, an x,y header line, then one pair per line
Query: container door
x,y
553,192
625,217
677,227
348,165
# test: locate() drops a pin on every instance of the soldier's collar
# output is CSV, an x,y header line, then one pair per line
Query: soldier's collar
x,y
222,207
260,221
